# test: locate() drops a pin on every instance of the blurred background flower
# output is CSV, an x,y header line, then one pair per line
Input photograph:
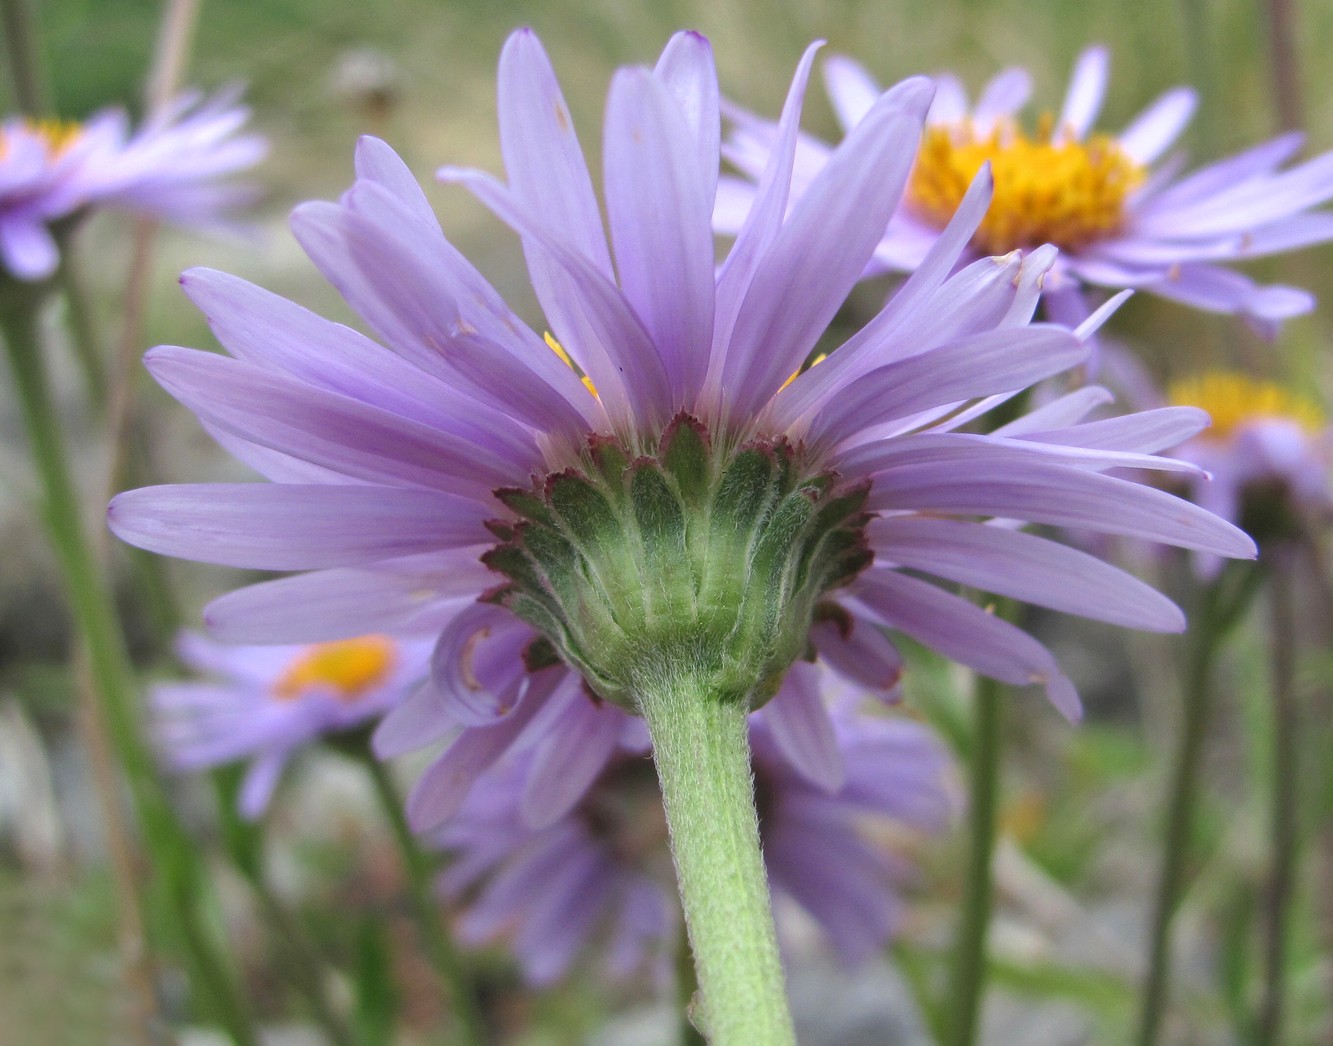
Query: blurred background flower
x,y
173,168
266,703
1120,218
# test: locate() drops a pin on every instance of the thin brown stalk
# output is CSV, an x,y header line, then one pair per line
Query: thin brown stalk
x,y
164,79
1284,64
31,91
126,861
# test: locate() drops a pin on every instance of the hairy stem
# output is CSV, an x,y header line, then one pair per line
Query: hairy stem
x,y
702,751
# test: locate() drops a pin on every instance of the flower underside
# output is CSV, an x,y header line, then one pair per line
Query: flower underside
x,y
1068,193
692,560
1234,400
347,668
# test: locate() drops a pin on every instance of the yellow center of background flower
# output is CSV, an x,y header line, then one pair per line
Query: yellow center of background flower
x,y
1067,193
1235,399
348,667
58,135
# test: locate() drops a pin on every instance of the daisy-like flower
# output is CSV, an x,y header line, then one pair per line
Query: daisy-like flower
x,y
265,703
170,168
603,870
1120,217
712,510
1269,452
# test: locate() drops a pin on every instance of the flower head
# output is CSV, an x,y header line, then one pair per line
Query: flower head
x,y
604,866
701,512
264,703
169,168
1268,451
1120,218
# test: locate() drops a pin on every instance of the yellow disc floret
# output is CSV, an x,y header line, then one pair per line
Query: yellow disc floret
x,y
56,135
1235,399
347,667
1063,192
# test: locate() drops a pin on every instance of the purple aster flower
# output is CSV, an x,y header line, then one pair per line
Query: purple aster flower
x,y
264,703
1268,452
169,168
603,869
1120,218
713,501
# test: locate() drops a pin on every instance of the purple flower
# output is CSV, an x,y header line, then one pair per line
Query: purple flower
x,y
603,870
714,504
169,168
1120,218
264,703
1268,452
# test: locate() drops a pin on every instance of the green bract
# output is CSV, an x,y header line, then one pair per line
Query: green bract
x,y
688,561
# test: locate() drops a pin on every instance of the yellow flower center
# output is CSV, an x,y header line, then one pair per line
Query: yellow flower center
x,y
1067,193
57,135
559,350
348,667
1235,399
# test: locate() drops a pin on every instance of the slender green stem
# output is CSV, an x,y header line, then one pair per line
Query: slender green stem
x,y
301,964
108,664
88,348
1222,604
1285,769
702,751
968,977
443,955
1180,822
24,51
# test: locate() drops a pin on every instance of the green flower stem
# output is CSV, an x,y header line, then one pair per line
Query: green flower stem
x,y
108,664
687,983
1285,768
25,66
702,751
88,348
1222,603
471,1025
968,977
301,964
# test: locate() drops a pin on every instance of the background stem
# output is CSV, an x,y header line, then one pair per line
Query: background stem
x,y
968,978
1222,603
1285,797
443,955
31,90
97,624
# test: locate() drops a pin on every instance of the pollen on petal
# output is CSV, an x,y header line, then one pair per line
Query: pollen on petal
x,y
559,350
